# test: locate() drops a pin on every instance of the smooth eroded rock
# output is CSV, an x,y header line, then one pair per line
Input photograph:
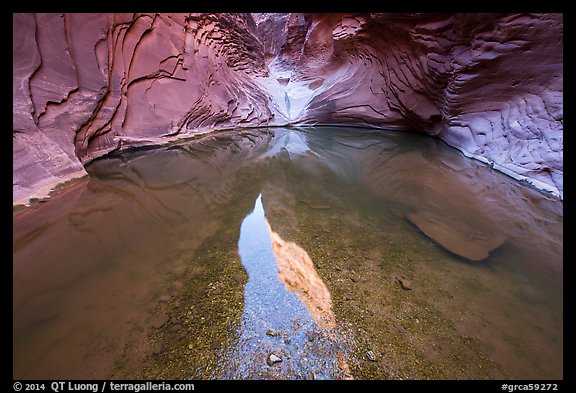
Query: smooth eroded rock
x,y
490,85
456,236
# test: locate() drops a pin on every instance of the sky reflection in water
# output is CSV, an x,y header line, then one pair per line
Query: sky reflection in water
x,y
270,305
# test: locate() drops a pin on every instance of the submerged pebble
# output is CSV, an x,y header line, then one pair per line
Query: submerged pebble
x,y
273,359
403,281
311,335
160,321
157,348
405,284
370,356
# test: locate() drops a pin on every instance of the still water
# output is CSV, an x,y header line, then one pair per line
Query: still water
x,y
290,254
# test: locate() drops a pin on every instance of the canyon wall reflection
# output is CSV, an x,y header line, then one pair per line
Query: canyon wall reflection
x,y
297,272
159,230
287,310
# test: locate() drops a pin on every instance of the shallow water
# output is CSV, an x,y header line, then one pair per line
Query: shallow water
x,y
203,258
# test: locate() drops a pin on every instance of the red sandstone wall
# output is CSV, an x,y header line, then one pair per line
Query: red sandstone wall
x,y
85,84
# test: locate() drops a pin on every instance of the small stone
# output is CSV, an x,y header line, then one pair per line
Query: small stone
x,y
190,346
164,299
405,283
239,277
157,348
272,333
370,356
456,236
160,321
273,359
310,376
310,335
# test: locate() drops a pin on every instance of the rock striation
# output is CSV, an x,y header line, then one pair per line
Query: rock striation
x,y
86,84
487,84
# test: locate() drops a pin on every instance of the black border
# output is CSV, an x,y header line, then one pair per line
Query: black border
x,y
341,6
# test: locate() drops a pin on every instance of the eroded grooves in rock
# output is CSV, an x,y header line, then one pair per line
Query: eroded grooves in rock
x,y
86,84
488,84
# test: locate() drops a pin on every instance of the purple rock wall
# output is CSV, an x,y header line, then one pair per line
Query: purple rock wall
x,y
86,84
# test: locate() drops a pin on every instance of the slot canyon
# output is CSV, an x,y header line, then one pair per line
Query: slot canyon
x,y
85,85
288,196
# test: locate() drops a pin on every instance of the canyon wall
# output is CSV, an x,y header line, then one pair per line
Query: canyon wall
x,y
87,84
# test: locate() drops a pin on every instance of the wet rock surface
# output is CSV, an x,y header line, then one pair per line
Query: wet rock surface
x,y
456,236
